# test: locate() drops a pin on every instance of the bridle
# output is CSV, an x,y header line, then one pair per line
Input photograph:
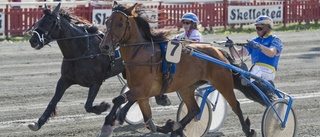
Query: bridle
x,y
46,35
122,42
45,38
122,39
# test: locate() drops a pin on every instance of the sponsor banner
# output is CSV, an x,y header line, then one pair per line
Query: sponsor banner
x,y
100,16
248,14
1,22
152,14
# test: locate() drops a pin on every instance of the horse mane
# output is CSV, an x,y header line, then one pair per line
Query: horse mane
x,y
78,21
157,35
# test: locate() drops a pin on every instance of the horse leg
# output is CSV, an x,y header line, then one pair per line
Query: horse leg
x,y
93,91
62,85
245,124
225,86
106,129
146,113
162,100
123,112
176,128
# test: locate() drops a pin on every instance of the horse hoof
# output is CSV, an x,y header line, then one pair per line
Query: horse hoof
x,y
163,100
101,108
105,106
120,117
106,131
253,133
34,126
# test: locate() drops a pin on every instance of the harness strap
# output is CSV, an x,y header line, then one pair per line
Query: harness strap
x,y
167,69
142,63
81,57
149,63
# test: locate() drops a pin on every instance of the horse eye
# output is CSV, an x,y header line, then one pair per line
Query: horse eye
x,y
120,24
49,22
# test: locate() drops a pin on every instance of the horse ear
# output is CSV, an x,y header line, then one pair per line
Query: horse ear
x,y
115,3
133,8
56,10
45,6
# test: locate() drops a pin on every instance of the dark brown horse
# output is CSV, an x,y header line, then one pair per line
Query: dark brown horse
x,y
140,49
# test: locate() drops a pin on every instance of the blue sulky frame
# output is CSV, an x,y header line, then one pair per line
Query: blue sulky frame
x,y
245,75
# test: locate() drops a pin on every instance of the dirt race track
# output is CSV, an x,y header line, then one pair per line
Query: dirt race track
x,y
28,78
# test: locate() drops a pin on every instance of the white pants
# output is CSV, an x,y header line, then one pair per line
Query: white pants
x,y
262,72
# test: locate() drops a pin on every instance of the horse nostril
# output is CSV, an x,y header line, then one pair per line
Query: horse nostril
x,y
33,41
104,47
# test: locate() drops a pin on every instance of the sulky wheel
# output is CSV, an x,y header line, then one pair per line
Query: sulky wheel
x,y
271,125
196,128
134,115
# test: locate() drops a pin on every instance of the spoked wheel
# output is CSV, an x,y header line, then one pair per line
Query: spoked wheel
x,y
271,125
196,128
134,115
219,110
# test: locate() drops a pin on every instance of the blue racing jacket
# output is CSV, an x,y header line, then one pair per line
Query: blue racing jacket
x,y
269,41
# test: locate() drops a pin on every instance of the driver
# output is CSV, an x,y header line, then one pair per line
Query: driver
x,y
191,31
265,50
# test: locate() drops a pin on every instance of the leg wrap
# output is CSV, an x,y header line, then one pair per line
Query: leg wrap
x,y
176,126
120,99
125,97
150,125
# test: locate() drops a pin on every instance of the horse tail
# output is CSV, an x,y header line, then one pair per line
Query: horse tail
x,y
248,91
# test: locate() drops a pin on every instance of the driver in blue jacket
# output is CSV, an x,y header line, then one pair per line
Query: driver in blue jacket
x,y
265,50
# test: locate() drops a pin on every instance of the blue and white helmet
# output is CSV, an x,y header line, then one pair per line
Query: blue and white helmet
x,y
265,20
190,16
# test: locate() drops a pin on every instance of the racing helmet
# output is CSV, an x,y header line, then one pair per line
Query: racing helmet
x,y
265,20
191,17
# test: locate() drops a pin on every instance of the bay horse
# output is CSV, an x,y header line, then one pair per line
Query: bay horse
x,y
142,55
82,64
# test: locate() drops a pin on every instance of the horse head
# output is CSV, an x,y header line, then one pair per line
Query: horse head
x,y
45,28
118,27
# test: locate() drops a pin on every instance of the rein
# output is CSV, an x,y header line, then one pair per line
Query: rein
x,y
76,37
82,57
147,63
144,63
47,36
41,38
88,48
142,43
